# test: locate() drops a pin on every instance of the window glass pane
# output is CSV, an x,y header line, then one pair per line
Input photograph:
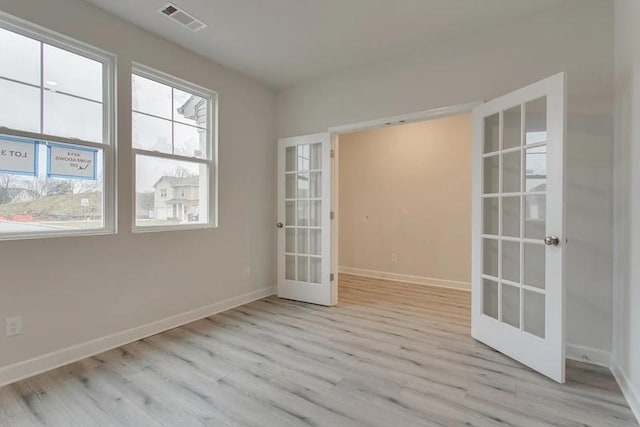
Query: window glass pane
x,y
189,141
511,176
41,204
72,117
150,97
189,109
70,73
150,133
20,57
23,111
170,192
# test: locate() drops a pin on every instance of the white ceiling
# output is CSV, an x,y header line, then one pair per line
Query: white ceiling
x,y
284,42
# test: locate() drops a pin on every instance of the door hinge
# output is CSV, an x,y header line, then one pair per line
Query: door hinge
x,y
333,153
332,215
332,277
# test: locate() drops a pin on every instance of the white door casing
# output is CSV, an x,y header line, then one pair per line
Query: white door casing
x,y
304,219
518,211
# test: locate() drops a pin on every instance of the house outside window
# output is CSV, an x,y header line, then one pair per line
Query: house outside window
x,y
174,144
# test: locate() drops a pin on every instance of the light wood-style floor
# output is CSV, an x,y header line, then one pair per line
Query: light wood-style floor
x,y
390,354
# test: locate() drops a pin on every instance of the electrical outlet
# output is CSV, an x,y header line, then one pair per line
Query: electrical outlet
x,y
247,272
13,326
394,257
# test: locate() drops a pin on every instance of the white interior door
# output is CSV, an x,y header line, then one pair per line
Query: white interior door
x,y
304,219
518,215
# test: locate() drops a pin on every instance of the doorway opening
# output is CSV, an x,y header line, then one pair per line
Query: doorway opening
x,y
404,203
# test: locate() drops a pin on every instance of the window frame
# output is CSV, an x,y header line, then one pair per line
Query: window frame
x,y
109,138
211,158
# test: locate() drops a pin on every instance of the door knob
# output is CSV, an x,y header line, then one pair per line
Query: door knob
x,y
552,240
279,225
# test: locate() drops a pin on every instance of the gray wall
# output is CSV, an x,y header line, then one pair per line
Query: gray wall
x,y
576,38
72,290
626,339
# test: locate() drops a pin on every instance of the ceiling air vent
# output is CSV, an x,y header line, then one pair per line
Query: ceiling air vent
x,y
182,17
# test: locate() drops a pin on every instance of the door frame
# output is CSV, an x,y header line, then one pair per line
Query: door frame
x,y
334,134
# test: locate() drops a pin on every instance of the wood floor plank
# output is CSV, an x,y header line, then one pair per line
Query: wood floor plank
x,y
389,354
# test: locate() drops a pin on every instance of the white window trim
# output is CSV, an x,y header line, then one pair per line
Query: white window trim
x,y
109,144
212,151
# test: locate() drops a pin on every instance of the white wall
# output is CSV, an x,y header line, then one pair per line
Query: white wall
x,y
576,38
626,339
406,190
72,290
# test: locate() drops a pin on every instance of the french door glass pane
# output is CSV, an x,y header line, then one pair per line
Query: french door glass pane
x,y
511,305
303,185
291,159
511,261
316,156
315,270
315,185
490,298
72,117
290,267
290,186
492,133
303,241
290,213
490,215
20,58
315,241
511,216
512,132
511,176
315,212
303,268
536,121
490,255
536,169
151,97
534,265
23,110
303,157
74,74
290,243
491,175
303,213
534,313
535,216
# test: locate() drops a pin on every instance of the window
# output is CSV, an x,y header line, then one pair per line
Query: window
x,y
173,144
56,135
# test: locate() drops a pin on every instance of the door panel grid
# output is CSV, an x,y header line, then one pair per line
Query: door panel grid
x,y
303,219
514,209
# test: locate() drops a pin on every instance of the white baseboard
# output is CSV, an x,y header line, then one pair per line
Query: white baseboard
x,y
37,365
632,395
593,356
418,280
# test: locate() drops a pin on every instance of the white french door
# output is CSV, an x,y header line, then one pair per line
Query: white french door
x,y
518,236
304,219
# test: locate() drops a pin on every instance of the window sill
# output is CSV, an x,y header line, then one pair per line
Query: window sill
x,y
181,227
54,234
